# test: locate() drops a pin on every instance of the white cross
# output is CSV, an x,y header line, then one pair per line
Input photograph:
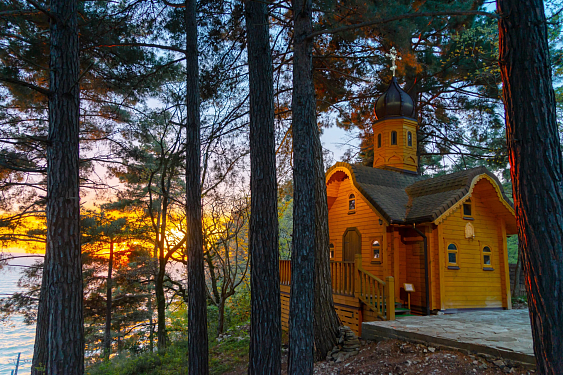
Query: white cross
x,y
394,57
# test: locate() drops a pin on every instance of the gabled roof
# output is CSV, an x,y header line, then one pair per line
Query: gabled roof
x,y
406,199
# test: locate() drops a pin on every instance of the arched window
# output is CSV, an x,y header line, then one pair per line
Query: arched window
x,y
409,139
331,249
376,249
393,137
452,255
351,202
487,258
379,140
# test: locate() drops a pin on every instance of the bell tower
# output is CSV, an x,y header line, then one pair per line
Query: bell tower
x,y
395,129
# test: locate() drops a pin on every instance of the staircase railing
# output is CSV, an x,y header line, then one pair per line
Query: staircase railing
x,y
343,278
285,272
379,295
351,279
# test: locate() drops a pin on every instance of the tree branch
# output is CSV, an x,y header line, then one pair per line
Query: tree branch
x,y
402,17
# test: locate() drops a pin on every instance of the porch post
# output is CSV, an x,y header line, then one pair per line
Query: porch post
x,y
357,268
390,297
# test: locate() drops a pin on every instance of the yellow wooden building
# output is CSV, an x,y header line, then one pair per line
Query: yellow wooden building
x,y
392,230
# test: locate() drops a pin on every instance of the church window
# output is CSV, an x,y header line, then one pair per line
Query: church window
x,y
351,202
487,258
467,209
409,139
452,255
379,140
393,137
331,248
376,249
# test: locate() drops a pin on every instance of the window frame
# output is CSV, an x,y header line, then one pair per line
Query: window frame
x,y
331,252
469,203
487,267
378,239
379,140
450,265
393,132
351,198
409,139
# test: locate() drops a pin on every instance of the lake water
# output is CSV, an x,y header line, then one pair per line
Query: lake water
x,y
15,336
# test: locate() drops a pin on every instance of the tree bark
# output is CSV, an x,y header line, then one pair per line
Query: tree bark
x,y
326,321
40,348
161,307
516,292
198,361
536,170
107,333
265,322
65,333
304,127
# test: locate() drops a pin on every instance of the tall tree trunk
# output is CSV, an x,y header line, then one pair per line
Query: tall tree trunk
x,y
65,334
326,321
536,170
516,290
40,349
265,322
301,340
107,333
160,308
198,362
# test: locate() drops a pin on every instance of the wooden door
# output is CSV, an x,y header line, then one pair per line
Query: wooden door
x,y
352,245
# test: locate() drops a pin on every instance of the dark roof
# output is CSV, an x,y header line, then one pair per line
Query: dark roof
x,y
404,198
394,102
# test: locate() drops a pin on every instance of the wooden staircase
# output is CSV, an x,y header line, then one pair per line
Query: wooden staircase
x,y
374,292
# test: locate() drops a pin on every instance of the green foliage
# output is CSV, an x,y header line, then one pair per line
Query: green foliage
x,y
226,354
512,244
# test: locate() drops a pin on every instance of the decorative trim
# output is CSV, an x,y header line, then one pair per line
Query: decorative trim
x,y
453,267
476,179
347,169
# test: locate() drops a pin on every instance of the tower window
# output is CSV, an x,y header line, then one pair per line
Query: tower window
x,y
331,249
351,202
379,140
376,249
409,139
393,137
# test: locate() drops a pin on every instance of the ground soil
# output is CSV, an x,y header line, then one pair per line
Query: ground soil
x,y
395,357
398,357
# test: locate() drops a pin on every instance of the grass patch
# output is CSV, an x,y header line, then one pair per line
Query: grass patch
x,y
226,354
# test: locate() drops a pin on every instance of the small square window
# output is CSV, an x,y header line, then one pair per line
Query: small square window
x,y
467,208
331,249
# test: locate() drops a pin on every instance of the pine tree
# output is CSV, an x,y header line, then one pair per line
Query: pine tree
x,y
536,168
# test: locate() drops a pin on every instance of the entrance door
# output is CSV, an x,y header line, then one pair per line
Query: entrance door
x,y
352,245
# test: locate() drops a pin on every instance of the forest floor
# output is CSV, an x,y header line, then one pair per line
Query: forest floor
x,y
229,355
395,357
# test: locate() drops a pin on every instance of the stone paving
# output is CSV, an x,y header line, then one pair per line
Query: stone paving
x,y
502,333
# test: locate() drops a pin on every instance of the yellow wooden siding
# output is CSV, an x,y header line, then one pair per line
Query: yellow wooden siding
x,y
471,286
400,155
364,220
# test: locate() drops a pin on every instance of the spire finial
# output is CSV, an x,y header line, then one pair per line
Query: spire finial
x,y
394,57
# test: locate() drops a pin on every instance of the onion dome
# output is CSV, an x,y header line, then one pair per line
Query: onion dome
x,y
394,103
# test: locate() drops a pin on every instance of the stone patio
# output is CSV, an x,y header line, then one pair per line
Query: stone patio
x,y
501,333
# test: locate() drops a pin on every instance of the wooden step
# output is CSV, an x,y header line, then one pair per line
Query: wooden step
x,y
402,311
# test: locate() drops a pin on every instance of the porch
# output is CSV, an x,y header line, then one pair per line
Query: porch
x,y
358,295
